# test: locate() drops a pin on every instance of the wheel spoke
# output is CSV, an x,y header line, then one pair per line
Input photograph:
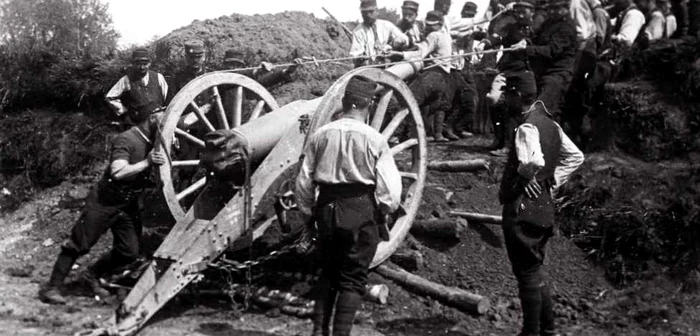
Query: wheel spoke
x,y
403,146
189,190
200,114
380,112
186,163
394,124
257,110
221,113
237,107
412,176
190,137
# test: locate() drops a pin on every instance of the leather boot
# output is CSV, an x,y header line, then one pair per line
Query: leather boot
x,y
450,134
323,310
531,303
345,308
438,126
91,278
497,121
547,327
50,293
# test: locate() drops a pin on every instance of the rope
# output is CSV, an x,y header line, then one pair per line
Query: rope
x,y
315,61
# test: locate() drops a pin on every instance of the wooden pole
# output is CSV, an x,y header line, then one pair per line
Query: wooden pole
x,y
455,297
459,166
477,217
347,30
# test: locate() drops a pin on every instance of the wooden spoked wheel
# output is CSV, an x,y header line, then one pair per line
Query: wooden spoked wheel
x,y
396,112
211,102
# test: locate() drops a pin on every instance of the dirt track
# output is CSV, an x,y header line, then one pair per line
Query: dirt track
x,y
585,303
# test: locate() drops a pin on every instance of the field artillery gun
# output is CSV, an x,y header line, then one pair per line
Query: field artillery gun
x,y
213,213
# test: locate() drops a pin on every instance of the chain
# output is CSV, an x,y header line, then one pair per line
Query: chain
x,y
238,267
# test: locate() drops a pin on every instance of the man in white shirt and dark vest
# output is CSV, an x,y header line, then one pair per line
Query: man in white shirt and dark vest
x,y
358,185
135,96
541,159
374,37
113,204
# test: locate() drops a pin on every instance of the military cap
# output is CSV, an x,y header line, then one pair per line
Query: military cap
x,y
469,7
368,5
232,56
194,47
434,17
140,54
412,5
360,86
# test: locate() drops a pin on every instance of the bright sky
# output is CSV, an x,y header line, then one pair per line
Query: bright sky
x,y
138,21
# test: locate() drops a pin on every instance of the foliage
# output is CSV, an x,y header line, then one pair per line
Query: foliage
x,y
389,14
54,52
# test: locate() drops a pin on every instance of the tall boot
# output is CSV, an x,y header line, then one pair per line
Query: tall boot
x,y
498,123
428,122
348,303
323,310
547,327
438,126
531,303
50,293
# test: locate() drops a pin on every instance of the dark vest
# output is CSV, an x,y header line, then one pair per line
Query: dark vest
x,y
141,99
512,185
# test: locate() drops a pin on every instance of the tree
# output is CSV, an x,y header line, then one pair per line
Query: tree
x,y
62,27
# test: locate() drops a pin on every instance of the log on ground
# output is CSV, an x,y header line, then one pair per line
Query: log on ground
x,y
459,166
477,217
455,297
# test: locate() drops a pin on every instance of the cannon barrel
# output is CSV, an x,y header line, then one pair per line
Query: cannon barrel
x,y
262,134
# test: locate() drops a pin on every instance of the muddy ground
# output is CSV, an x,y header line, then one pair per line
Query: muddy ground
x,y
586,303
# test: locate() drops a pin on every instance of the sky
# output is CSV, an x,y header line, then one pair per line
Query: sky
x,y
139,21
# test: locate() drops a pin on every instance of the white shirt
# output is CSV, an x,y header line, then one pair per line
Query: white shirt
x,y
632,24
656,26
124,85
582,13
372,40
348,151
531,158
436,44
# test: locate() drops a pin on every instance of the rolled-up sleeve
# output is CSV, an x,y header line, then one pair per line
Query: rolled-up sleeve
x,y
388,185
114,95
570,158
305,189
528,150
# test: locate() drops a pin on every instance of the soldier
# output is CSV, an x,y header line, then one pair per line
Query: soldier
x,y
409,25
141,91
374,37
513,29
552,55
194,64
628,24
358,184
434,88
655,28
541,159
458,126
111,205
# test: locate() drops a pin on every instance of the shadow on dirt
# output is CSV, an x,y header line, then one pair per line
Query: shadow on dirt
x,y
416,327
487,234
221,329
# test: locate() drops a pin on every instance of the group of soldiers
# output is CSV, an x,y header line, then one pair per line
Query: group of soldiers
x,y
348,185
566,49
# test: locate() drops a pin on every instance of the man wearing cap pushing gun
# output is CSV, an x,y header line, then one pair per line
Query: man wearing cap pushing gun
x,y
374,37
140,92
